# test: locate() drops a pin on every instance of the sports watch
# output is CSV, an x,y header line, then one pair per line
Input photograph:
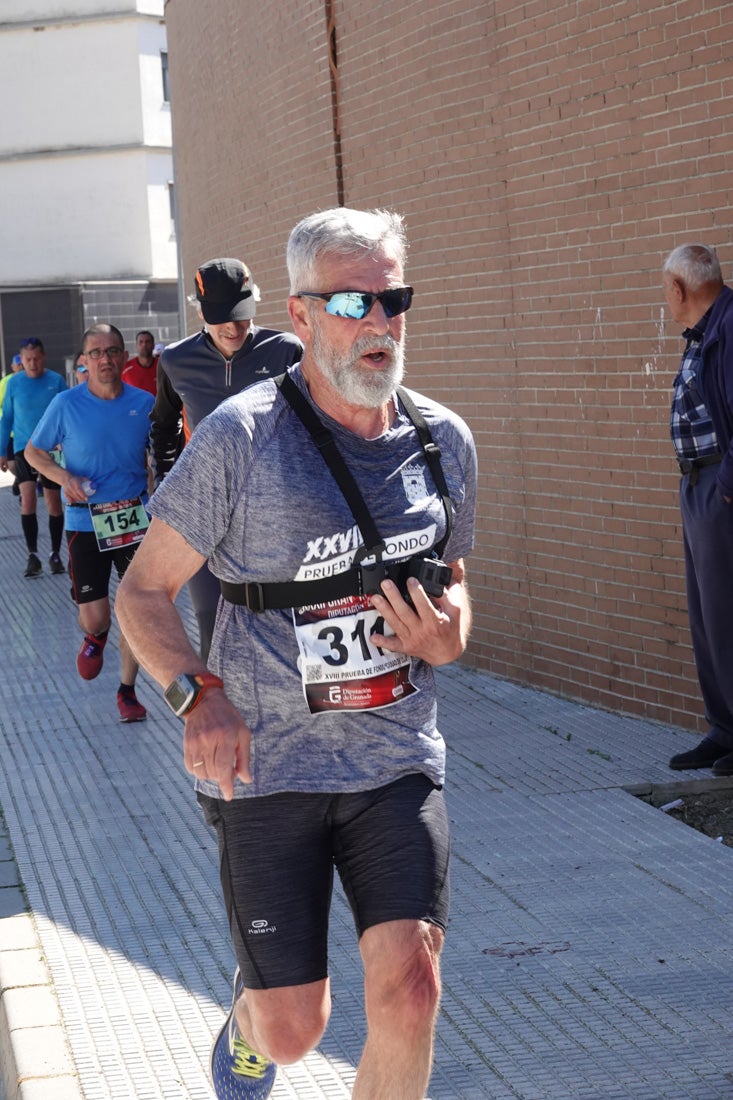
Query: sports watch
x,y
184,693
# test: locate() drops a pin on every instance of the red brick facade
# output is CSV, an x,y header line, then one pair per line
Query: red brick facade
x,y
546,157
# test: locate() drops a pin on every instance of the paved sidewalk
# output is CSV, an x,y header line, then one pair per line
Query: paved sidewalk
x,y
589,952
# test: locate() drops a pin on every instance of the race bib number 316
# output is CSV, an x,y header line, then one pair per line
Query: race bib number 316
x,y
341,668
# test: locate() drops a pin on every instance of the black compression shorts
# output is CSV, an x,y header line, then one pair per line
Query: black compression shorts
x,y
277,852
91,568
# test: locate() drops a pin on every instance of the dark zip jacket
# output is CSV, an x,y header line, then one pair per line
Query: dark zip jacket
x,y
194,377
716,381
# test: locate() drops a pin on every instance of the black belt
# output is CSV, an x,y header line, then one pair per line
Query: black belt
x,y
692,465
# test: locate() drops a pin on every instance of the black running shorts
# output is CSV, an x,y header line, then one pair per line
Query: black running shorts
x,y
25,472
277,853
91,568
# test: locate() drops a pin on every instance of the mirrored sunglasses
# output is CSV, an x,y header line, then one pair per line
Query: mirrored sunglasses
x,y
355,304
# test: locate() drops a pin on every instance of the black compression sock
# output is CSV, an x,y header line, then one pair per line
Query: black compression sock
x,y
30,532
56,531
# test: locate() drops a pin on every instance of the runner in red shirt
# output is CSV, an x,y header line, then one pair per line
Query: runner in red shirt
x,y
142,371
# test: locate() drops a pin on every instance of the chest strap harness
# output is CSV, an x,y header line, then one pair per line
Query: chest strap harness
x,y
360,580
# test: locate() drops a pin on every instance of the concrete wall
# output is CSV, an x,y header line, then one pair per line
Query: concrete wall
x,y
52,72
41,11
85,148
97,225
546,156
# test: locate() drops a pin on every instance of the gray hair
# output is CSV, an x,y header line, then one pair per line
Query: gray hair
x,y
341,232
695,265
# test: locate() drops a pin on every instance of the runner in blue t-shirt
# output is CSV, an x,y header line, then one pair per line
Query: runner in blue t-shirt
x,y
101,431
17,365
27,396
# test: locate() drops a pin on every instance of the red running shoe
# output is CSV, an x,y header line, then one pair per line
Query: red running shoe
x,y
90,657
129,707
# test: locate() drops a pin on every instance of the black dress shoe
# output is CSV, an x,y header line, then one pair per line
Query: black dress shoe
x,y
704,756
723,765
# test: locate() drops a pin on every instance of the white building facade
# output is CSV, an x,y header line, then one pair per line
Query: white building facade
x,y
86,173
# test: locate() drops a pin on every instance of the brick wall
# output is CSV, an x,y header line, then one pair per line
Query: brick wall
x,y
547,157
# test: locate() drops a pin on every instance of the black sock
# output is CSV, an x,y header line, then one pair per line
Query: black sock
x,y
125,689
30,532
56,531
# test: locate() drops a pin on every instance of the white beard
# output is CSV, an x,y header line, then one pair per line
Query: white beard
x,y
367,387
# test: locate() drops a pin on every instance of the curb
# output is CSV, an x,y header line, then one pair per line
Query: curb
x,y
35,1058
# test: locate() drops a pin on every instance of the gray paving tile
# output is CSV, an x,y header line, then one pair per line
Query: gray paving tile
x,y
586,956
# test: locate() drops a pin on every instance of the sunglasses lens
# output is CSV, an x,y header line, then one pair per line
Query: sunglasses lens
x,y
355,304
349,303
396,301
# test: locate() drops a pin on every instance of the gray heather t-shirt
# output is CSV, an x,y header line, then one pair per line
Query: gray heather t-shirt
x,y
252,493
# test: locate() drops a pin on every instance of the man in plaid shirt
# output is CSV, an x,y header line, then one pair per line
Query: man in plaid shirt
x,y
701,426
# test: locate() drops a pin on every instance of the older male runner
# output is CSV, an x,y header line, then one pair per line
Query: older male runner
x,y
314,741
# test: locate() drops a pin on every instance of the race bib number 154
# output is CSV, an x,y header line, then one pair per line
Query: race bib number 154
x,y
119,523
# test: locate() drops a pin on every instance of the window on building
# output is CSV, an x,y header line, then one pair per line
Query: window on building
x,y
172,205
164,73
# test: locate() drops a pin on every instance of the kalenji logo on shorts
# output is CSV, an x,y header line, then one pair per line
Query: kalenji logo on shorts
x,y
261,928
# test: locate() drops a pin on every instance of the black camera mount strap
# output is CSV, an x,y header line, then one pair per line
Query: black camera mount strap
x,y
283,594
432,455
326,444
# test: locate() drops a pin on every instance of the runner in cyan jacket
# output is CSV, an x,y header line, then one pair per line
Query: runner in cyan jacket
x,y
195,375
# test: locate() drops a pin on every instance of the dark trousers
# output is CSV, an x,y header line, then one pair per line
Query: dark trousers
x,y
707,523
